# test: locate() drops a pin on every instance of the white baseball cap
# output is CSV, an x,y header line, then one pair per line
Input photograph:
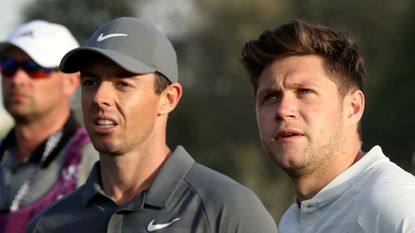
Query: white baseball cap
x,y
46,43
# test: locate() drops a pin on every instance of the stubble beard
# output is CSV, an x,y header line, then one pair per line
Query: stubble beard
x,y
318,157
23,116
314,157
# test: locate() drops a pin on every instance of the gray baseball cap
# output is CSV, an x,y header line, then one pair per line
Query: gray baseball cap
x,y
134,44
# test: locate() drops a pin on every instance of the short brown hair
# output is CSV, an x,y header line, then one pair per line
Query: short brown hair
x,y
160,83
297,37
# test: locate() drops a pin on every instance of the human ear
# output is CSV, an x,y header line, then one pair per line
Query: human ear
x,y
71,82
355,105
170,97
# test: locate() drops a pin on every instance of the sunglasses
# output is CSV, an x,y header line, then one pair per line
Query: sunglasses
x,y
10,66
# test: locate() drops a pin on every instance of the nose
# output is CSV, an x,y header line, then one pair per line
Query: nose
x,y
286,108
103,94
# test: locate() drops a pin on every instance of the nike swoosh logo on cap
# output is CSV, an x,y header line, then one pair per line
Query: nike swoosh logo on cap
x,y
102,37
154,227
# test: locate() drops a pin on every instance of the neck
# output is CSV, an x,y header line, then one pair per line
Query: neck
x,y
307,186
126,176
30,135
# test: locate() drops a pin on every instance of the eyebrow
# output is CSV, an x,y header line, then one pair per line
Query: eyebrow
x,y
268,91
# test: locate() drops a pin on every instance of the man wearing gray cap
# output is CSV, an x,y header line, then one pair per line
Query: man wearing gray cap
x,y
129,83
47,154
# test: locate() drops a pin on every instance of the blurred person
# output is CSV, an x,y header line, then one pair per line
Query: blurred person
x,y
6,120
309,83
47,154
129,86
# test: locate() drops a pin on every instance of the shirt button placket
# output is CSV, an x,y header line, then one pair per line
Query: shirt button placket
x,y
115,223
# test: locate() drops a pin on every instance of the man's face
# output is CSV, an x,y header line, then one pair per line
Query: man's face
x,y
120,108
300,114
26,98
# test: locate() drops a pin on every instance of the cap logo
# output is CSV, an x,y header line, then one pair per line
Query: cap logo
x,y
28,33
102,37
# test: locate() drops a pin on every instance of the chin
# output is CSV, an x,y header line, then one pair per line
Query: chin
x,y
108,151
105,147
288,161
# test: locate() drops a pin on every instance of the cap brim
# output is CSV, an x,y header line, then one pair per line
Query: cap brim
x,y
6,45
76,59
3,47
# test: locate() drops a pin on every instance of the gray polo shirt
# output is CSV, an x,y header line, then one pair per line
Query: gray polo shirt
x,y
184,197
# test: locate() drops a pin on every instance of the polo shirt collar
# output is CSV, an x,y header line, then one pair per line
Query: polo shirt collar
x,y
345,180
92,185
171,174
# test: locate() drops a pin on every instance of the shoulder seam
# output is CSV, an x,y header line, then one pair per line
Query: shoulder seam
x,y
201,201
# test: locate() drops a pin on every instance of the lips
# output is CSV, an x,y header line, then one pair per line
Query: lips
x,y
17,95
104,124
288,134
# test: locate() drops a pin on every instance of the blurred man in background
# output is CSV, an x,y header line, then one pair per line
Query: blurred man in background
x,y
5,118
129,85
47,154
309,85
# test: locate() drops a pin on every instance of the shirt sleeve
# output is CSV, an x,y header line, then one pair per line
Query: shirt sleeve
x,y
243,212
388,207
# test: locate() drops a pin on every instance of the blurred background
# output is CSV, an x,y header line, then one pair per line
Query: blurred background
x,y
215,120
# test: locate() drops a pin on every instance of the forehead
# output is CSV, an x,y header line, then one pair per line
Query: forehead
x,y
294,70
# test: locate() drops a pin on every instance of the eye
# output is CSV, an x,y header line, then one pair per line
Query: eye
x,y
121,83
305,91
270,98
88,81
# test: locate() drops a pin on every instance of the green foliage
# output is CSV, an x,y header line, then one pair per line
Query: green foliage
x,y
82,17
389,121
